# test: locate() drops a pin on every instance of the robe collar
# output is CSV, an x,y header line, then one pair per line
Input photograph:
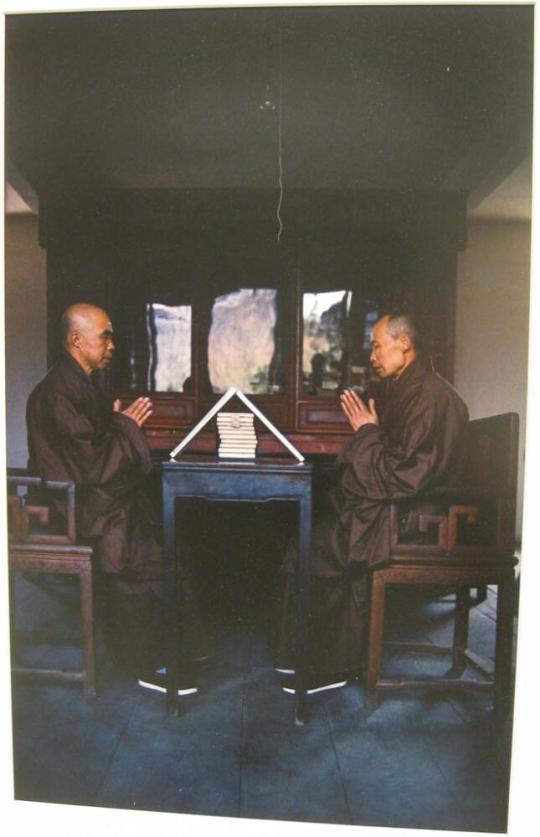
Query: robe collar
x,y
398,388
414,371
98,403
74,368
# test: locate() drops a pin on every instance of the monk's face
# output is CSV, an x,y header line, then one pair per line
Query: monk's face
x,y
389,355
96,344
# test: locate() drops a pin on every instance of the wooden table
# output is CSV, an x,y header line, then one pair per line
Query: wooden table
x,y
255,480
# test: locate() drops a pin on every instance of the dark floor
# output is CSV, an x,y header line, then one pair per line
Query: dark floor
x,y
417,762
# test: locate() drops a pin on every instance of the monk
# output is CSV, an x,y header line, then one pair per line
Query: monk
x,y
399,451
75,432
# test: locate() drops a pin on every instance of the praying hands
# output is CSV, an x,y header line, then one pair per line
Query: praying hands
x,y
356,410
139,410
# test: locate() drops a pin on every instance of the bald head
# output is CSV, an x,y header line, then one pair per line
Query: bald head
x,y
79,317
88,336
393,345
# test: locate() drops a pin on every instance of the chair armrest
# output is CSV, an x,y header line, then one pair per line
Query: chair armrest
x,y
452,520
461,494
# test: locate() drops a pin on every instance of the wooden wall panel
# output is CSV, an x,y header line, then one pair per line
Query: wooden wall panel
x,y
121,248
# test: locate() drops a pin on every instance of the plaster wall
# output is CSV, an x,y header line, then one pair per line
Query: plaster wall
x,y
25,326
492,315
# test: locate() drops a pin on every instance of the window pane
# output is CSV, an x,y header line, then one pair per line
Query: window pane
x,y
371,317
243,351
169,342
324,351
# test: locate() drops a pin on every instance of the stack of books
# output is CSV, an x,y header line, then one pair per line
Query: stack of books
x,y
237,438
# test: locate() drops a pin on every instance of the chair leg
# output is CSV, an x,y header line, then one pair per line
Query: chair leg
x,y
503,649
87,618
461,632
481,594
376,626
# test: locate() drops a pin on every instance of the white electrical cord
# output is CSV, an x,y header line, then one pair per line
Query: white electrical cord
x,y
280,147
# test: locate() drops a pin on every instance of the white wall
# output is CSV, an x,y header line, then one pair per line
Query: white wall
x,y
492,323
25,319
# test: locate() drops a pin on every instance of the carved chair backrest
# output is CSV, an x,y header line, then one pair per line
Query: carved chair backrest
x,y
33,504
491,454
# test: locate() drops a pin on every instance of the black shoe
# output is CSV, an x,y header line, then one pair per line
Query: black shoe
x,y
156,681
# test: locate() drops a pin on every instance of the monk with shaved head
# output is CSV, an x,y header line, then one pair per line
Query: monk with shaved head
x,y
406,441
77,433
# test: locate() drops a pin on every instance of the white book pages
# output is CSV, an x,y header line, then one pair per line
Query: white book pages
x,y
237,447
237,431
241,434
235,418
237,456
243,439
245,425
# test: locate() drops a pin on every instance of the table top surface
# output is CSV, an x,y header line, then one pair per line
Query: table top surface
x,y
261,464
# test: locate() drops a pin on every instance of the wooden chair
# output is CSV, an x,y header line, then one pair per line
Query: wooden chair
x,y
458,539
34,548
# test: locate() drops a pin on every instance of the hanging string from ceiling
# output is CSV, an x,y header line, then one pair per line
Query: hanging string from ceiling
x,y
280,141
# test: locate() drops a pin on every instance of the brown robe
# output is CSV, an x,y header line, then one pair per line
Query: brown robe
x,y
415,447
74,434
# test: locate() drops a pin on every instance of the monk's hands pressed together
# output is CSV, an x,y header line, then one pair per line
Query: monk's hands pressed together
x,y
139,410
356,410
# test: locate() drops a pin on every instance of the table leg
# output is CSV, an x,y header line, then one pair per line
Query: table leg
x,y
303,580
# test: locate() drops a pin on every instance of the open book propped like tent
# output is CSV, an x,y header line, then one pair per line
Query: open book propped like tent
x,y
232,391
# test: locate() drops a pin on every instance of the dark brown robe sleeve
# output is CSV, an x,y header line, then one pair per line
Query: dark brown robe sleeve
x,y
98,457
378,468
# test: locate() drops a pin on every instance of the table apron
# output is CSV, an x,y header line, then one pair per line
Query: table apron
x,y
249,487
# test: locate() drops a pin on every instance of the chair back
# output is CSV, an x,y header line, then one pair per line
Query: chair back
x,y
32,503
491,466
491,454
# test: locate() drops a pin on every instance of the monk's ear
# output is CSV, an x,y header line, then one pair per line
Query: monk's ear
x,y
406,342
74,339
